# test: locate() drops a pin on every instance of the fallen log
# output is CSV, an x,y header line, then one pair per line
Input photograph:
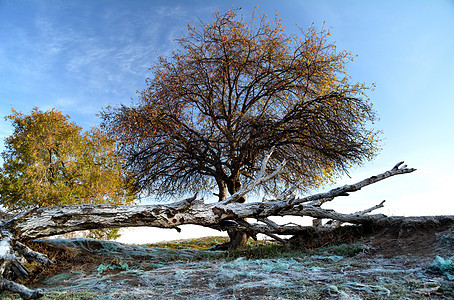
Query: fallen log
x,y
228,214
48,221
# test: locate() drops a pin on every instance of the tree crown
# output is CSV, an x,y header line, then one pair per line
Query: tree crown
x,y
231,92
50,161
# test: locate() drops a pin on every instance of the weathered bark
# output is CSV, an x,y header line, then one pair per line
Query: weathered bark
x,y
11,252
24,292
48,221
224,215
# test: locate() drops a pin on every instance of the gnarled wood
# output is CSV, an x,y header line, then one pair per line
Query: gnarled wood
x,y
24,292
56,220
224,215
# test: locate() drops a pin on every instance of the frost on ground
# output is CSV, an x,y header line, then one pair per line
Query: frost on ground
x,y
108,270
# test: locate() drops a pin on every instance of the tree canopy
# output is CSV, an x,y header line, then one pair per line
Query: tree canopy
x,y
233,90
49,161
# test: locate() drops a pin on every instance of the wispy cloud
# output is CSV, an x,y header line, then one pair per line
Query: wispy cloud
x,y
97,58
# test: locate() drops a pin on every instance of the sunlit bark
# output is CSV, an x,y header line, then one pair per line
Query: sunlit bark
x,y
225,215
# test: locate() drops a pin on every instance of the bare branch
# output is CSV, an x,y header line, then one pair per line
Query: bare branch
x,y
257,229
270,223
260,178
316,199
24,292
337,223
31,255
366,211
62,219
288,195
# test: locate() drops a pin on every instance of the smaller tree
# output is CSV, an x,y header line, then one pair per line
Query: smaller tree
x,y
49,161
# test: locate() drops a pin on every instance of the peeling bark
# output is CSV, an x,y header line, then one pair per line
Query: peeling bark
x,y
56,220
227,214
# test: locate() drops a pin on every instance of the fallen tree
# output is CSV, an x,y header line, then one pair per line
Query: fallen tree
x,y
228,214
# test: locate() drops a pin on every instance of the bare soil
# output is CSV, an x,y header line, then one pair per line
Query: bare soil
x,y
397,262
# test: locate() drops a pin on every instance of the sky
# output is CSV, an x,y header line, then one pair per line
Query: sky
x,y
82,56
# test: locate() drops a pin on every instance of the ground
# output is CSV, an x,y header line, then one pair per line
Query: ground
x,y
411,262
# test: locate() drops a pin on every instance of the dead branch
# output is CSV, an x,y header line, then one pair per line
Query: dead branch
x,y
24,292
48,221
349,188
56,220
261,178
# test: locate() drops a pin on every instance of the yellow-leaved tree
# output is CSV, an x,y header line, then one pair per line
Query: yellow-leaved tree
x,y
50,161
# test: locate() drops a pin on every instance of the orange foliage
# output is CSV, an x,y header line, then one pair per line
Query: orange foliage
x,y
234,89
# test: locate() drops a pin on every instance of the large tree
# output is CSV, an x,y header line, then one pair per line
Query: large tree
x,y
231,92
49,161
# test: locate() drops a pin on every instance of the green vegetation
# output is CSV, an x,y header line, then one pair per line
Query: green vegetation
x,y
203,243
50,161
117,265
259,249
256,249
444,266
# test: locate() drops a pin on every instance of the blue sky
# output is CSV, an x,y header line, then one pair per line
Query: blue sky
x,y
81,56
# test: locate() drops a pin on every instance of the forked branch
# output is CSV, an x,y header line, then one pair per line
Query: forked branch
x,y
261,177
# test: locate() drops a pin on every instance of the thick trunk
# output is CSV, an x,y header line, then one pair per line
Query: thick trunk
x,y
238,238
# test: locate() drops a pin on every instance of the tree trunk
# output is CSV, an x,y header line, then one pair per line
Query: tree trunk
x,y
238,238
222,194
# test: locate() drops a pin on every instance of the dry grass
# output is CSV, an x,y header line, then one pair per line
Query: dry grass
x,y
205,243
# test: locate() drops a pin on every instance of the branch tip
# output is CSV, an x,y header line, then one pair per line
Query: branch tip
x,y
396,167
